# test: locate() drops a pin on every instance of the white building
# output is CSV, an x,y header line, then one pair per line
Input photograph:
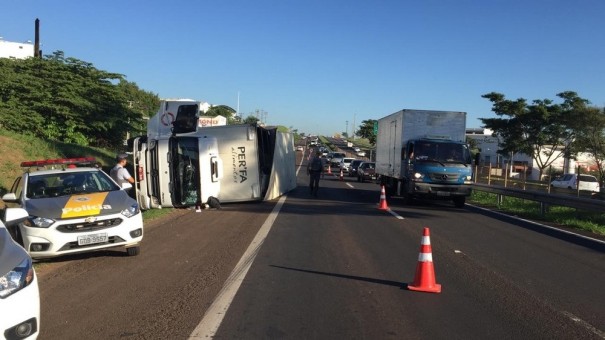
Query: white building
x,y
16,50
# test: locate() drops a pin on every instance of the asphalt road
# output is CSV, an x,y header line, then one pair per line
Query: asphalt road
x,y
332,267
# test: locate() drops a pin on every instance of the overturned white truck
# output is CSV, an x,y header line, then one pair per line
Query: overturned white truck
x,y
182,162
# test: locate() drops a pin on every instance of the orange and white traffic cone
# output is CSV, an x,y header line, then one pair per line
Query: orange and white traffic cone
x,y
329,169
382,205
342,176
424,281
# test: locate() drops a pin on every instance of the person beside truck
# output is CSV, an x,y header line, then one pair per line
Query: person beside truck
x,y
119,173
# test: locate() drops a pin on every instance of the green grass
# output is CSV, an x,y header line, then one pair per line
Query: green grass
x,y
151,214
568,217
16,148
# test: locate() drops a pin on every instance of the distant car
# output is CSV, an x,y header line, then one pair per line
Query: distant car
x,y
366,171
345,163
19,293
337,158
570,181
299,148
356,149
361,153
353,167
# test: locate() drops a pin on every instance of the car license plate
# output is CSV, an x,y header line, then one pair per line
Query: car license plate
x,y
92,239
443,193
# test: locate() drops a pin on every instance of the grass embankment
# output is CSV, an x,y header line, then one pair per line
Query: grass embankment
x,y
564,216
16,148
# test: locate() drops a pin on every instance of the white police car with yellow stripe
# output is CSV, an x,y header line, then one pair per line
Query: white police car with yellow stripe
x,y
73,210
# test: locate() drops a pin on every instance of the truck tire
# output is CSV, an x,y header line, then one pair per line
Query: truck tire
x,y
133,251
459,201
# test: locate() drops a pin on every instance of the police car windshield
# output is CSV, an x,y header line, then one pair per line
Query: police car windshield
x,y
68,183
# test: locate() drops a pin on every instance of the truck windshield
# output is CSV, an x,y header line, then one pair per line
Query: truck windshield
x,y
442,152
185,171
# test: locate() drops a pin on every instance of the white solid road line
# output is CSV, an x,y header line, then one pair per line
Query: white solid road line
x,y
399,217
214,315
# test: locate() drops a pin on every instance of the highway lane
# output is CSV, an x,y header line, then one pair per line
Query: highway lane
x,y
332,267
341,272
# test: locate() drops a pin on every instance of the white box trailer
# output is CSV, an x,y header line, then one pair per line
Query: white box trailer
x,y
412,157
259,163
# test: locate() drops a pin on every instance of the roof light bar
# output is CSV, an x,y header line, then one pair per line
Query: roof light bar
x,y
59,161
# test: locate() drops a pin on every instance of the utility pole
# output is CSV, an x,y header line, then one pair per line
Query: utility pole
x,y
347,128
353,132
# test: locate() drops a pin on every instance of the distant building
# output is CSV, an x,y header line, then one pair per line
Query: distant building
x,y
205,121
16,50
489,146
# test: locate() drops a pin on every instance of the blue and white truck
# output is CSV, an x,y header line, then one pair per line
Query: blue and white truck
x,y
423,154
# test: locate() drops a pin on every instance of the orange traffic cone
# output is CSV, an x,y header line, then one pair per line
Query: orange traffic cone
x,y
329,169
425,272
341,175
383,200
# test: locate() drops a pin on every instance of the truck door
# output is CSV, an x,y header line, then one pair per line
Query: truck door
x,y
139,154
210,169
186,119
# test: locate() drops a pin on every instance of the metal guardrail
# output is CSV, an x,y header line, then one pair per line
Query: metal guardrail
x,y
545,199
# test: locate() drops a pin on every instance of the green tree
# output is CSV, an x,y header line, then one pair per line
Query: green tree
x,y
540,129
590,136
70,100
225,111
366,130
251,119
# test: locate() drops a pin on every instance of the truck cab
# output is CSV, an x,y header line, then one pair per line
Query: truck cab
x,y
437,168
189,176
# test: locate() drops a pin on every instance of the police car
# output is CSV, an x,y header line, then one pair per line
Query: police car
x,y
73,207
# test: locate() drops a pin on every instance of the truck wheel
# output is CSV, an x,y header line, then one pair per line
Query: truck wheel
x,y
459,201
133,251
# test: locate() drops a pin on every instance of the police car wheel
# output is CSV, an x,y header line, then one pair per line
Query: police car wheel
x,y
133,251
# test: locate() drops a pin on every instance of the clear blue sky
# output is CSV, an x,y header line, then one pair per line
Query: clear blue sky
x,y
316,64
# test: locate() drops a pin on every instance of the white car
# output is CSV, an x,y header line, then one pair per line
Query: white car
x,y
345,163
570,181
19,294
361,153
73,210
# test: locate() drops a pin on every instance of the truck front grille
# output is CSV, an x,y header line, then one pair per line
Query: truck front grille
x,y
444,177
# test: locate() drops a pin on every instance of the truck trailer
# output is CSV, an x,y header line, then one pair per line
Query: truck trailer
x,y
180,163
423,154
